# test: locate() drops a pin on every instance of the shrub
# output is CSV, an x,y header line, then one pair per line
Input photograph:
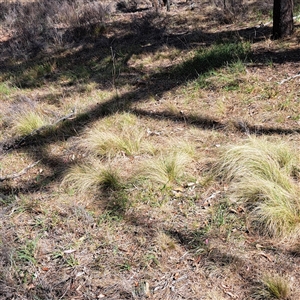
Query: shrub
x,y
37,24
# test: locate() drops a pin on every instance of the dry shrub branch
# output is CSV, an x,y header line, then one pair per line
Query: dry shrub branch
x,y
39,25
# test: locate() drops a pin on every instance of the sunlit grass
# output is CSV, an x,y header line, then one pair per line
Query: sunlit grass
x,y
277,286
90,179
214,57
28,122
140,215
184,146
5,89
268,160
228,78
110,144
121,134
166,168
262,175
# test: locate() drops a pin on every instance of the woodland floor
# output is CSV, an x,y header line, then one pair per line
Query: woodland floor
x,y
185,241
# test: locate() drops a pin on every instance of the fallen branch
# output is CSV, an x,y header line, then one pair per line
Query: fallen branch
x,y
289,78
70,116
18,174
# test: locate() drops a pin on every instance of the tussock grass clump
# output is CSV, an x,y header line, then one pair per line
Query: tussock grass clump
x,y
274,287
86,178
184,146
269,160
28,122
107,143
5,89
166,168
24,117
120,134
263,175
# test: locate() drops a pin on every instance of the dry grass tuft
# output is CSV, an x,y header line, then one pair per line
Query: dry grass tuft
x,y
36,25
121,134
26,123
154,98
277,286
184,146
90,178
262,174
261,157
166,168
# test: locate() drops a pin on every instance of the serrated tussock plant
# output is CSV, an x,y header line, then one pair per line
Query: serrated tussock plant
x,y
26,123
277,286
263,175
267,159
121,134
166,168
87,178
184,146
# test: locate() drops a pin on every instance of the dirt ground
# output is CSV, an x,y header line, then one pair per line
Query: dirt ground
x,y
188,240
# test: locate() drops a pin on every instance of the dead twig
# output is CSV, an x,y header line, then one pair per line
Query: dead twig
x,y
70,116
266,256
19,174
289,78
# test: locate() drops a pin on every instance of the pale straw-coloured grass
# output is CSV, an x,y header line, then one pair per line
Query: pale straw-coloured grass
x,y
277,286
262,176
166,168
121,134
26,123
87,178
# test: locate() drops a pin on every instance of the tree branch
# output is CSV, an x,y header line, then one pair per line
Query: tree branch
x,y
289,78
18,174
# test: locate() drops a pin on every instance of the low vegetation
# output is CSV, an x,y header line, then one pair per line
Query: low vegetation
x,y
89,178
166,168
148,155
265,177
274,287
118,135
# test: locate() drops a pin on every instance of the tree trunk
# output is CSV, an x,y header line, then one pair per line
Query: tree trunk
x,y
283,24
167,3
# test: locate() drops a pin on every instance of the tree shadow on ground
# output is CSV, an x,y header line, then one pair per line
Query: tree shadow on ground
x,y
191,240
93,58
158,82
143,34
34,144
